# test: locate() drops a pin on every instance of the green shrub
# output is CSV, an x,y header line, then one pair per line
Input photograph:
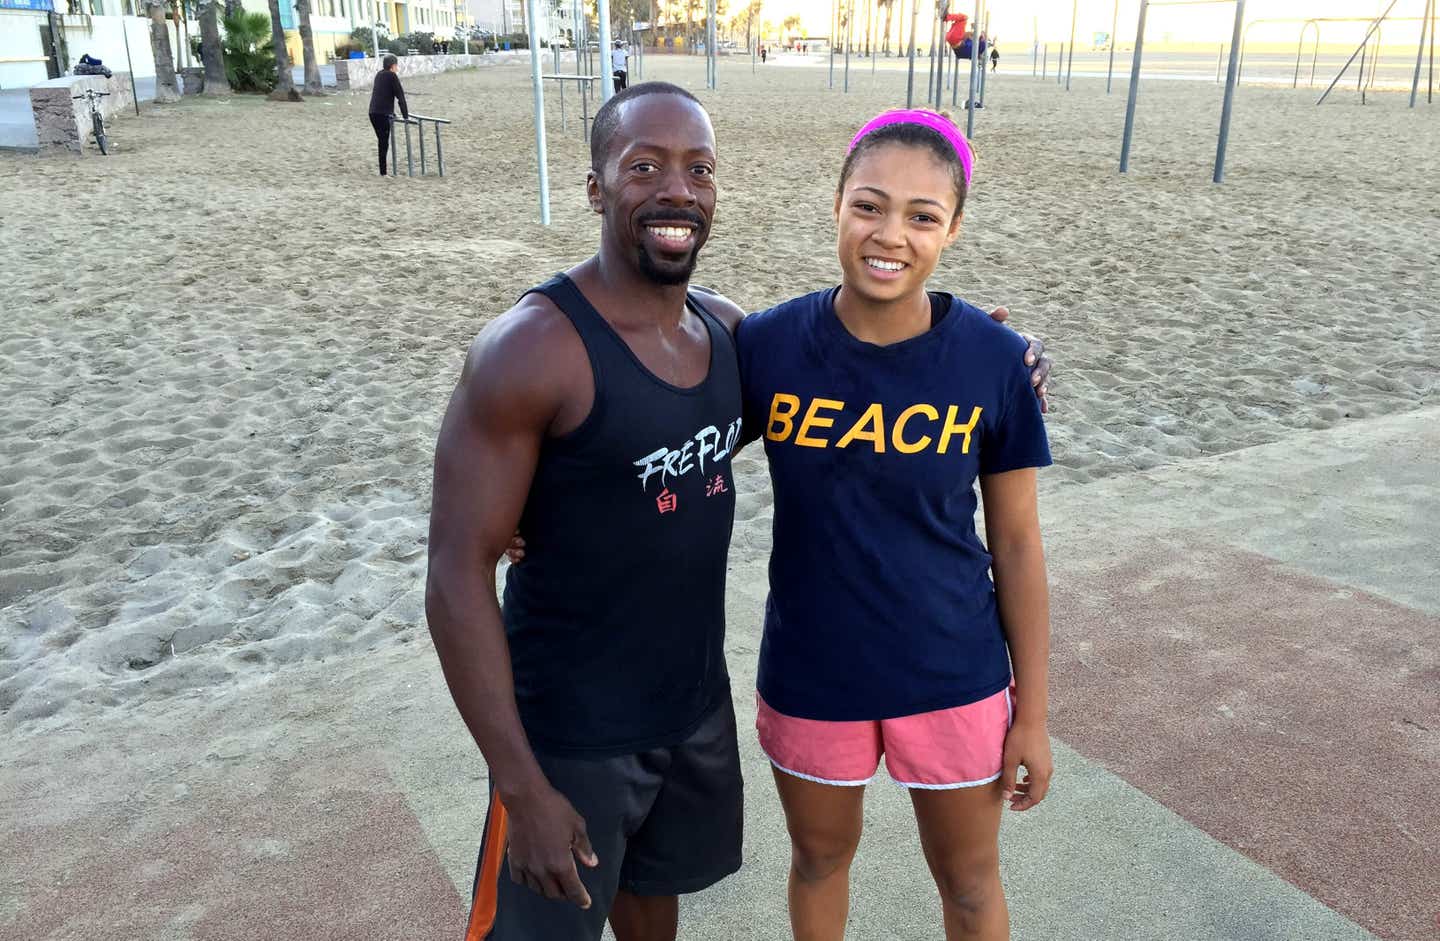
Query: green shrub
x,y
361,38
424,43
249,55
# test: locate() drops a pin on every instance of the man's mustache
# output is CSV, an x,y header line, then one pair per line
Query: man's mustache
x,y
674,215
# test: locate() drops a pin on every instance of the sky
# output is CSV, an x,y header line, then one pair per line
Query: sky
x,y
1016,21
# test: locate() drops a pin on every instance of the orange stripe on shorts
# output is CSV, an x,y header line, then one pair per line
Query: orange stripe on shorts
x,y
487,885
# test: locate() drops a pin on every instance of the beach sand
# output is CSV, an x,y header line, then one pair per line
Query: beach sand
x,y
226,349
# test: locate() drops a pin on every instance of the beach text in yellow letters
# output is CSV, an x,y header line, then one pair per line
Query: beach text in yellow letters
x,y
916,428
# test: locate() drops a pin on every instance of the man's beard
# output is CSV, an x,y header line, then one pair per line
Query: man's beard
x,y
668,274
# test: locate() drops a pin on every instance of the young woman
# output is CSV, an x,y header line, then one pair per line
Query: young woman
x,y
881,405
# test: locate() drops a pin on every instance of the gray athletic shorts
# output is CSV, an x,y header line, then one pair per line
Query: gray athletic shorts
x,y
666,821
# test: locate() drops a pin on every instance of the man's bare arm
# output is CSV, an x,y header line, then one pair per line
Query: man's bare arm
x,y
485,459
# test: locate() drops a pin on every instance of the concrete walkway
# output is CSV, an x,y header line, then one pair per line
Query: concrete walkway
x,y
1246,708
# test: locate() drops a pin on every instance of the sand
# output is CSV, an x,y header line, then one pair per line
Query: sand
x,y
227,347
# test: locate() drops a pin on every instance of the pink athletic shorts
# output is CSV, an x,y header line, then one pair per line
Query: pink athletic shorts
x,y
948,748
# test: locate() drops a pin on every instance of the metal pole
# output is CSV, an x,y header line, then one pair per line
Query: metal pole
x,y
394,150
1375,59
849,30
1114,24
930,73
1363,44
910,78
1231,80
1430,95
1300,50
1045,62
1219,60
954,85
579,41
974,79
409,154
533,13
712,34
585,88
1360,85
874,46
607,80
375,40
834,28
421,125
984,80
1134,89
942,49
125,31
1070,69
1060,66
439,154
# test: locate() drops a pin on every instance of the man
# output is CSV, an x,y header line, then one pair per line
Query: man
x,y
600,412
994,58
620,63
386,93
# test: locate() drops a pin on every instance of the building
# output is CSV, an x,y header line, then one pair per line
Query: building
x,y
507,17
332,21
42,39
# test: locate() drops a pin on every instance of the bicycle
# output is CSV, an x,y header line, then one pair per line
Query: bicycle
x,y
97,121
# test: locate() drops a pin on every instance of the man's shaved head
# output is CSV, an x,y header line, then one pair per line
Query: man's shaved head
x,y
607,119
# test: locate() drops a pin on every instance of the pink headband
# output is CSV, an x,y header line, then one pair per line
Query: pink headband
x,y
935,122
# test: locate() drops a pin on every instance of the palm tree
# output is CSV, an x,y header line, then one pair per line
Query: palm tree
x,y
791,26
889,6
212,52
284,79
313,84
166,88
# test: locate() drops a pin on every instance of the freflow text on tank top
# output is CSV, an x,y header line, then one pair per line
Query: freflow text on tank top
x,y
699,454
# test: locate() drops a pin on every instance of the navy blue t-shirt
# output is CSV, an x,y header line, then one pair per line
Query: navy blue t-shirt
x,y
881,603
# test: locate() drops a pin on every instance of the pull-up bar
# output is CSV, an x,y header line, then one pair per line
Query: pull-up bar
x,y
1231,80
1363,44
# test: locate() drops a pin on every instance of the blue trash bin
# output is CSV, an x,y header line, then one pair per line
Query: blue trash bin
x,y
507,45
356,54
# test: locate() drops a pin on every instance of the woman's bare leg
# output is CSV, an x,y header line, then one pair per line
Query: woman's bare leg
x,y
824,822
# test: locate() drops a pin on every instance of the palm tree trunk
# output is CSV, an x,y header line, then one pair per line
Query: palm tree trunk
x,y
232,7
313,83
212,52
869,22
889,17
284,79
166,88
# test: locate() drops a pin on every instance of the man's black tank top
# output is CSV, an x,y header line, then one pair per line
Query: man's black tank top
x,y
616,617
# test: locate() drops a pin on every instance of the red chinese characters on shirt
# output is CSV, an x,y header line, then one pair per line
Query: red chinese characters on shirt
x,y
716,486
667,502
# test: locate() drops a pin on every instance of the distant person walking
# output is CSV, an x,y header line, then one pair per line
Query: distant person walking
x,y
620,64
994,59
763,53
387,91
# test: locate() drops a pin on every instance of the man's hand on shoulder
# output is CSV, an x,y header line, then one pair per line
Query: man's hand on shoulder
x,y
1035,357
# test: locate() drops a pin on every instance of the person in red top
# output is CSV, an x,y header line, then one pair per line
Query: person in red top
x,y
955,35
